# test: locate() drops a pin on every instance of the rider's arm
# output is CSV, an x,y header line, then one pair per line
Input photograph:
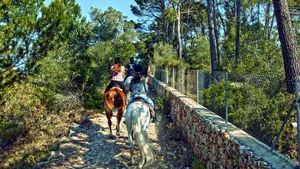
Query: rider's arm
x,y
123,71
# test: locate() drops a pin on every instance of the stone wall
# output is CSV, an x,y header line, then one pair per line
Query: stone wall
x,y
215,143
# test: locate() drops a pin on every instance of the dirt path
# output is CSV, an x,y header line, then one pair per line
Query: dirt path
x,y
88,146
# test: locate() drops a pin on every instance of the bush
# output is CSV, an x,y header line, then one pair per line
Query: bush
x,y
8,132
29,124
94,99
251,109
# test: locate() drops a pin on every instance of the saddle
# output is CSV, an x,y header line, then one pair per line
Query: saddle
x,y
115,85
138,98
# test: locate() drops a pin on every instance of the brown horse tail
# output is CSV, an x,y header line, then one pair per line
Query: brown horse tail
x,y
119,98
114,98
108,103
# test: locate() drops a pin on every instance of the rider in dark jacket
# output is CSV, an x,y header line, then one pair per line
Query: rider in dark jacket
x,y
130,68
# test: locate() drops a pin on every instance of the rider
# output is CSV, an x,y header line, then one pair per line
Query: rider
x,y
139,89
117,75
130,67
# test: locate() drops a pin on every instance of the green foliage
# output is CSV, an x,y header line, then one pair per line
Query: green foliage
x,y
38,96
165,56
56,25
196,164
170,14
107,24
18,21
199,54
54,70
30,122
250,108
261,57
9,130
162,103
94,98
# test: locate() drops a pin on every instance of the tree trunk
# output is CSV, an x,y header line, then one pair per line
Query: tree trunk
x,y
202,26
252,18
222,22
179,41
174,34
271,27
267,19
216,31
288,42
212,39
237,37
258,15
167,32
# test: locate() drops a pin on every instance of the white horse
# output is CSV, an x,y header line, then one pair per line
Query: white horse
x,y
137,119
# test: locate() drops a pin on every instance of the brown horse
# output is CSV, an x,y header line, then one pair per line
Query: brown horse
x,y
114,98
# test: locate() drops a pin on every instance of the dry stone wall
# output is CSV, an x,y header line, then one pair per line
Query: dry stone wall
x,y
215,143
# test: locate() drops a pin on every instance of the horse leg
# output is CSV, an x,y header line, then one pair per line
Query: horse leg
x,y
109,116
119,118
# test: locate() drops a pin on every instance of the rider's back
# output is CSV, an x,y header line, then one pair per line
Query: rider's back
x,y
117,71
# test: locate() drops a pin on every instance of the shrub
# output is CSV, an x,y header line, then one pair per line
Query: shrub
x,y
251,109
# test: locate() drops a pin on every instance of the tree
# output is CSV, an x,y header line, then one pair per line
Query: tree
x,y
56,24
150,11
238,23
107,24
174,21
17,32
212,39
288,43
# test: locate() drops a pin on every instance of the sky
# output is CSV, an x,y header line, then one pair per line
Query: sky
x,y
120,5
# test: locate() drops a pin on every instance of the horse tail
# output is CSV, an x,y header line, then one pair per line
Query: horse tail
x,y
120,98
108,104
146,151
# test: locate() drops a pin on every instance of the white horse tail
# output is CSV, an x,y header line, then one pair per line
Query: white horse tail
x,y
137,119
146,151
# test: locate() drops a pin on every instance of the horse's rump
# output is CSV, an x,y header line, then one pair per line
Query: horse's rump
x,y
114,98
